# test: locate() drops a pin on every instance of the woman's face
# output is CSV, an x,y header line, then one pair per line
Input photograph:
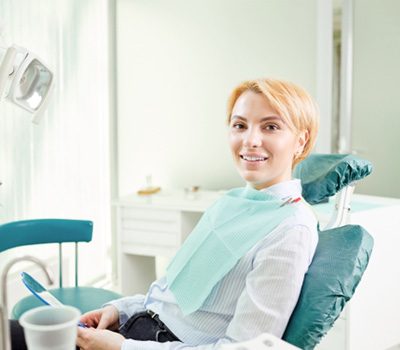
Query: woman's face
x,y
262,144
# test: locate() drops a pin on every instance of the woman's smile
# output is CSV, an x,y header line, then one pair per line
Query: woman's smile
x,y
253,157
253,162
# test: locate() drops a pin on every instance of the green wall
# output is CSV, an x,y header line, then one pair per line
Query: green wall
x,y
177,61
376,93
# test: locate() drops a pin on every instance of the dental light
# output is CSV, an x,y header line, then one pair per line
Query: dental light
x,y
25,80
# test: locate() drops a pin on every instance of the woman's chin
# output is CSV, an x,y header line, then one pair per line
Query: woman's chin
x,y
254,182
259,182
252,177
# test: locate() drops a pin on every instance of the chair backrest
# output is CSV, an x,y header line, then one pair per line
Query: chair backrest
x,y
340,260
39,231
342,253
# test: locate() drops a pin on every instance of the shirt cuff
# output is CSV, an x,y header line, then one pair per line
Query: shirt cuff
x,y
128,306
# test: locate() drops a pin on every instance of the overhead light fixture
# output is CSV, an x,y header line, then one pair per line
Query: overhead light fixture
x,y
25,80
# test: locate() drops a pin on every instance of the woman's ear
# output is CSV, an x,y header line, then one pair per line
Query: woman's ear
x,y
302,141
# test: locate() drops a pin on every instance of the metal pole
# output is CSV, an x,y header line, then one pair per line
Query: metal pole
x,y
76,264
5,328
346,78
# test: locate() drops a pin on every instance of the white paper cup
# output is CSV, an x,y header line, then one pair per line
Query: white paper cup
x,y
48,327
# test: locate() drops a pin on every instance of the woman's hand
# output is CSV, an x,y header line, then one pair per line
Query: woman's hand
x,y
105,318
98,339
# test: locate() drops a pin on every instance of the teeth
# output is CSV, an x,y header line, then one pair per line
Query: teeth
x,y
253,159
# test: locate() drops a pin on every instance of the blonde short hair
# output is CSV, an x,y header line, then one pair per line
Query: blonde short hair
x,y
292,103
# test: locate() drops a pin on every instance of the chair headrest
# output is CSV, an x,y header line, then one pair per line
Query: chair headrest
x,y
323,175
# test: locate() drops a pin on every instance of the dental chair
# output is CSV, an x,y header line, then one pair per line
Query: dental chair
x,y
342,252
340,259
42,231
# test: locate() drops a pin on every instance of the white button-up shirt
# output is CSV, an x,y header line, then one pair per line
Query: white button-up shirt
x,y
258,295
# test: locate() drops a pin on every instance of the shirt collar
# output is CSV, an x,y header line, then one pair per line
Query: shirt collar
x,y
285,189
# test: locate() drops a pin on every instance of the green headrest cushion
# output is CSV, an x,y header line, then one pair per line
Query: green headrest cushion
x,y
340,260
322,175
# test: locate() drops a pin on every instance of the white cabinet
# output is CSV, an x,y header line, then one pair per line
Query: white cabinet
x,y
157,225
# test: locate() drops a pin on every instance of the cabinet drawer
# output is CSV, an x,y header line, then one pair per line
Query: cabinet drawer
x,y
149,214
147,225
153,238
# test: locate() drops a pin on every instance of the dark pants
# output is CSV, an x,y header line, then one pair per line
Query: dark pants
x,y
142,326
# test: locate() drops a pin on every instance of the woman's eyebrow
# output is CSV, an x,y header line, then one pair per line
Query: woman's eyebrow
x,y
237,117
272,117
268,118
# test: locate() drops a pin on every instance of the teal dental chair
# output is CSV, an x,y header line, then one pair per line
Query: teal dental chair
x,y
41,231
342,252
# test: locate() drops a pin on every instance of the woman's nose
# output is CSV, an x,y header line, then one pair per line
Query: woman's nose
x,y
253,138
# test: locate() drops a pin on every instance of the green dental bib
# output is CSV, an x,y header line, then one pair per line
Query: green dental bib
x,y
226,231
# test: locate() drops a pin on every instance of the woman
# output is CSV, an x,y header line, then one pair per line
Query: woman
x,y
240,271
272,127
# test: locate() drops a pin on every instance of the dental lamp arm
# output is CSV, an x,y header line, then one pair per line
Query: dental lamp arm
x,y
6,67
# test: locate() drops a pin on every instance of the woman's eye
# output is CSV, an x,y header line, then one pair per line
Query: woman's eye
x,y
238,126
272,127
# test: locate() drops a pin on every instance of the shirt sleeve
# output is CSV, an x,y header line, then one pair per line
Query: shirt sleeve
x,y
271,292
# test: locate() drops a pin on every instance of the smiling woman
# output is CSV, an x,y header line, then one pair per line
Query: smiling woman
x,y
240,271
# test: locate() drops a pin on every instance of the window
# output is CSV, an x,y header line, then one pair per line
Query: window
x,y
60,168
